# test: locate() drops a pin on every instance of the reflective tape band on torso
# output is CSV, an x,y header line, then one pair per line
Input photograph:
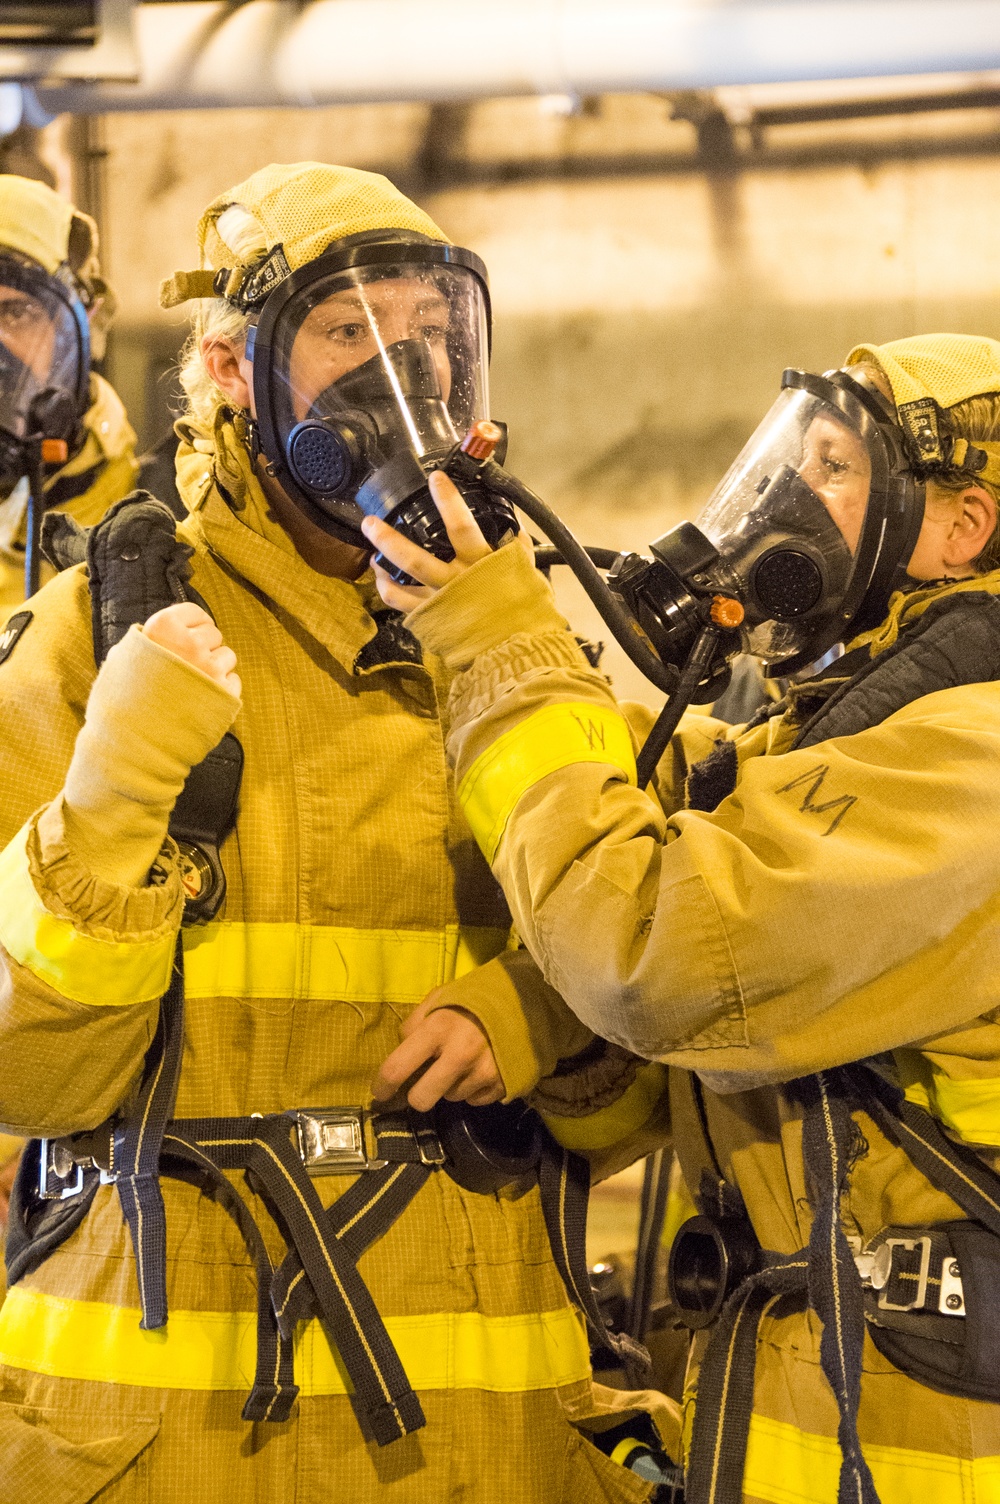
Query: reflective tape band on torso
x,y
230,958
203,1350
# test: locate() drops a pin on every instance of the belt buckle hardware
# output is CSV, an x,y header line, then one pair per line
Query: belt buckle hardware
x,y
429,1147
332,1141
908,1245
952,1298
60,1176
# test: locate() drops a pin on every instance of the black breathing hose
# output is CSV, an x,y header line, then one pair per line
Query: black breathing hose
x,y
613,613
698,663
545,558
33,540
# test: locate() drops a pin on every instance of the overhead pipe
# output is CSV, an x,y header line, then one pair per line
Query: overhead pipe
x,y
210,53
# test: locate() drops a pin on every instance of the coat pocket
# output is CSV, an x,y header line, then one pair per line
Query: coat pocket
x,y
62,1458
592,1478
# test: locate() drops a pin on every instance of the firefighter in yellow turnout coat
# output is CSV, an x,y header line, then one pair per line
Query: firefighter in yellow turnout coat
x,y
354,891
44,238
815,890
49,271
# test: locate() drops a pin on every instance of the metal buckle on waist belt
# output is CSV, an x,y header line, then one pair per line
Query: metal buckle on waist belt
x,y
344,1140
62,1161
916,1273
334,1141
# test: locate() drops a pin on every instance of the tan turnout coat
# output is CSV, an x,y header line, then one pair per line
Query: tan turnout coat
x,y
843,901
354,888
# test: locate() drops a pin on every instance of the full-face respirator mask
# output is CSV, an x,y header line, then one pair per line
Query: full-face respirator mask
x,y
370,371
44,381
797,549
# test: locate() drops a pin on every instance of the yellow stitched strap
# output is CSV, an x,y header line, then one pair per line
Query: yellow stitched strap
x,y
553,738
77,965
599,1130
326,961
81,1339
788,1466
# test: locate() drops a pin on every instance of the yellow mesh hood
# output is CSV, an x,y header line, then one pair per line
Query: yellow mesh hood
x,y
40,224
302,207
949,368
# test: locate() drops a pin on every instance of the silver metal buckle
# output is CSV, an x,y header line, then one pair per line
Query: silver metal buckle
x,y
909,1244
56,1166
332,1141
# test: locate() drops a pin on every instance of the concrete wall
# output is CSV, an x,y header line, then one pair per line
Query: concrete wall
x,y
646,300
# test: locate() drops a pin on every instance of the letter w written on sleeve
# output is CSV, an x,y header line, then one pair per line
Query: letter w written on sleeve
x,y
592,730
813,782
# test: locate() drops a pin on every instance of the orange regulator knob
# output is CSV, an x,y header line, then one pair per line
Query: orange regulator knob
x,y
55,451
726,612
481,440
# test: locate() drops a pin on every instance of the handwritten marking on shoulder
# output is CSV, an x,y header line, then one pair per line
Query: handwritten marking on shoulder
x,y
12,632
592,730
813,782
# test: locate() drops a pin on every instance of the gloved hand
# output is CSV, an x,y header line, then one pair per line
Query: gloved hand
x,y
165,696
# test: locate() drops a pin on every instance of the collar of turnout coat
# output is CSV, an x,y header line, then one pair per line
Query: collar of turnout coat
x,y
934,639
230,516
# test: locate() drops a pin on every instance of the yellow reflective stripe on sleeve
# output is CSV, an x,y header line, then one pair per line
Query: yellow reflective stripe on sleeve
x,y
78,966
970,1108
552,738
325,961
79,1339
788,1466
599,1130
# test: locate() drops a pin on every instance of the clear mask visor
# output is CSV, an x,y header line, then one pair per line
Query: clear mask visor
x,y
790,520
42,354
395,355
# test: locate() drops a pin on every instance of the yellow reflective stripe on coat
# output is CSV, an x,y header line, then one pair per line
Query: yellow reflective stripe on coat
x,y
555,737
599,1130
81,967
79,1339
970,1107
788,1466
325,961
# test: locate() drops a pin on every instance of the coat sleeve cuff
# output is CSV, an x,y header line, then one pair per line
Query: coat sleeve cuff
x,y
90,940
528,1025
498,597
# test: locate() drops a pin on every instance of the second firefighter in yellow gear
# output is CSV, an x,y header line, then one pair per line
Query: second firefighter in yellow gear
x,y
355,890
799,919
54,310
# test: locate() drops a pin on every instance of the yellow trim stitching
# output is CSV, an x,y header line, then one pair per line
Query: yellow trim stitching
x,y
78,966
555,737
207,1350
599,1130
229,959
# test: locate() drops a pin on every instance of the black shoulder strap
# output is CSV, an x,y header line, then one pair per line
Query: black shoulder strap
x,y
136,563
956,641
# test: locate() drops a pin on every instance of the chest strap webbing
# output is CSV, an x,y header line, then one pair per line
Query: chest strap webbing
x,y
826,1273
955,642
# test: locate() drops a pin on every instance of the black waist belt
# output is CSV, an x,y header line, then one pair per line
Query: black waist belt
x,y
392,1153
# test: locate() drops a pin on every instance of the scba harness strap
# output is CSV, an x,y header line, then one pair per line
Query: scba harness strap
x,y
956,641
136,567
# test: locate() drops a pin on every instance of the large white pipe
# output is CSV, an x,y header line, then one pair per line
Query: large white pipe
x,y
279,52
